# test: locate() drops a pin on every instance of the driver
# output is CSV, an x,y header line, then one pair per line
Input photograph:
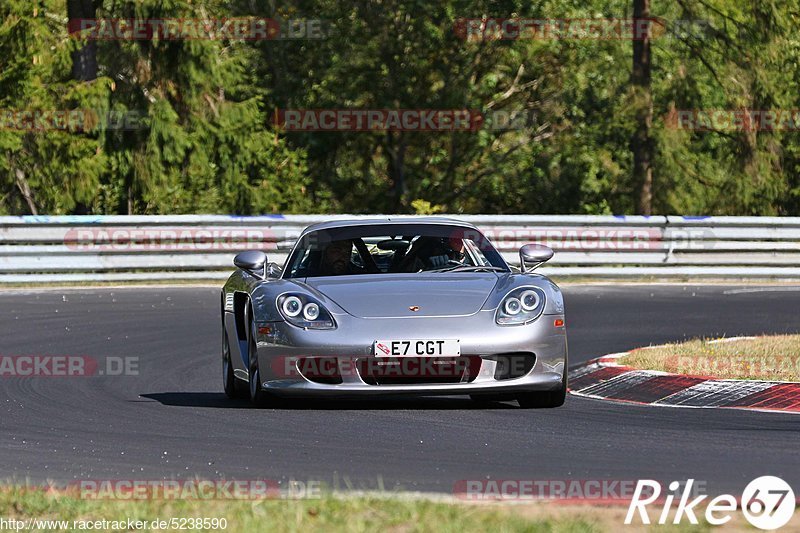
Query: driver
x,y
336,259
439,253
449,250
457,252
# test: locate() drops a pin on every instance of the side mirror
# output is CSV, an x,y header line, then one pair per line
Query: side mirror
x,y
535,254
252,261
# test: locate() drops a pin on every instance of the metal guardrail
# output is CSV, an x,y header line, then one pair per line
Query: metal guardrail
x,y
201,247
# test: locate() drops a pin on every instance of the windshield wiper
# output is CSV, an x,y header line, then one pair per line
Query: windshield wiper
x,y
470,268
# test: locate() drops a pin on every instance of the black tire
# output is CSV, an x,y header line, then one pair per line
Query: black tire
x,y
258,396
545,399
234,388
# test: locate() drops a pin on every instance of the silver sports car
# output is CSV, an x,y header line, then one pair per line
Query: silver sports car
x,y
418,306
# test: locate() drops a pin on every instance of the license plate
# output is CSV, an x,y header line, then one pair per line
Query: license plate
x,y
418,348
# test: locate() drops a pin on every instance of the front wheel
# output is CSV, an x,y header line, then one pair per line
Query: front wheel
x,y
233,387
258,396
545,399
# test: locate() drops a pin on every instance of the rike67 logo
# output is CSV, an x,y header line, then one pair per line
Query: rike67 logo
x,y
767,502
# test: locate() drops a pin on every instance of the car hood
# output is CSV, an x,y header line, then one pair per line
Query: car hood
x,y
394,295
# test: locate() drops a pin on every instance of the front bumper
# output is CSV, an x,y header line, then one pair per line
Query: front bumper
x,y
281,346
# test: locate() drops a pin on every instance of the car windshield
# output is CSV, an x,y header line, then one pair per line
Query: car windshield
x,y
392,249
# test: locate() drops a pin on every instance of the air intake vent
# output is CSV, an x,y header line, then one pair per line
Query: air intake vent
x,y
512,365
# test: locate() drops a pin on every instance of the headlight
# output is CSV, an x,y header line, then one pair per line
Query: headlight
x,y
521,306
530,300
291,306
512,306
304,312
311,311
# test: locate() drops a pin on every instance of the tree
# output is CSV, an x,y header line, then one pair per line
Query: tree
x,y
642,142
84,59
594,132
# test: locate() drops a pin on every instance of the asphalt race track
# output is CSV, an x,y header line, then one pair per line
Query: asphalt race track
x,y
172,420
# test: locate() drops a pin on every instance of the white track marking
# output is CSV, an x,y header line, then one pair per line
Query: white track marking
x,y
762,289
730,339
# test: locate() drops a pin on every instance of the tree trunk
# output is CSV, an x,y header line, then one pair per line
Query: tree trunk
x,y
25,189
642,142
396,151
130,198
84,59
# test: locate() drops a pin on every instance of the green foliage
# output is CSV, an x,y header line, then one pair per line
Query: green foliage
x,y
203,139
197,141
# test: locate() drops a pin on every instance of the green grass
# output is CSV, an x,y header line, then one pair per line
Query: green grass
x,y
326,514
394,513
771,358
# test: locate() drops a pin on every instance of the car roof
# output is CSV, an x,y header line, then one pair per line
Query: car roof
x,y
395,220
